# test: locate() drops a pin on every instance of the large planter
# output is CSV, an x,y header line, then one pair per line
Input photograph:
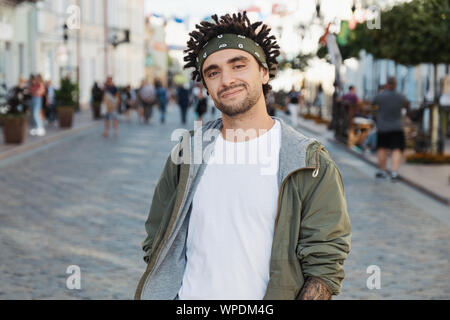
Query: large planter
x,y
14,128
65,117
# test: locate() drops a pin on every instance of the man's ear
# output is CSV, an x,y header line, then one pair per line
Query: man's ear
x,y
265,75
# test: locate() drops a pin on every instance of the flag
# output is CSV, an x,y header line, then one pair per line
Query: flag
x,y
323,38
342,37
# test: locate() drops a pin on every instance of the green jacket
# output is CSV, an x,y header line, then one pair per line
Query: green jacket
x,y
312,229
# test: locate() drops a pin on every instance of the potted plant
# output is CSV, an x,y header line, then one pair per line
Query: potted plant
x,y
13,115
66,99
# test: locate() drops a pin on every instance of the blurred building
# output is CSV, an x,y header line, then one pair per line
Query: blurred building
x,y
102,37
416,83
14,40
156,50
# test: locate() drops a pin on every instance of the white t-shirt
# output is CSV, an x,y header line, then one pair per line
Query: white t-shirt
x,y
232,221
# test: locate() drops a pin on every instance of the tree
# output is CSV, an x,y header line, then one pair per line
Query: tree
x,y
411,33
417,32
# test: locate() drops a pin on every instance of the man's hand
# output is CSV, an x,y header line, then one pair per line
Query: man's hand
x,y
314,289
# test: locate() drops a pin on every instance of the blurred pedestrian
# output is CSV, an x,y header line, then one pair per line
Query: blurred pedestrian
x,y
50,102
293,106
96,100
162,98
37,90
350,97
129,101
390,135
270,103
183,101
111,101
202,103
301,97
147,97
318,101
194,95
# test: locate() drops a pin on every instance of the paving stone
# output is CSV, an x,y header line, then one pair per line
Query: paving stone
x,y
84,202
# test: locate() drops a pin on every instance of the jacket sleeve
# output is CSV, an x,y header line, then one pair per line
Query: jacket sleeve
x,y
325,231
165,189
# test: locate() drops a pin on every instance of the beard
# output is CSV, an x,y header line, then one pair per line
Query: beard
x,y
238,107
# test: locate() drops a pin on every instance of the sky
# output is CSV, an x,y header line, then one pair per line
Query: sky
x,y
197,8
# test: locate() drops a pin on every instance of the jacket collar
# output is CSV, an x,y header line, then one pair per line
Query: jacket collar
x,y
293,151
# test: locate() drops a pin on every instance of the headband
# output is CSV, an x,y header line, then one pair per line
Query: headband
x,y
230,41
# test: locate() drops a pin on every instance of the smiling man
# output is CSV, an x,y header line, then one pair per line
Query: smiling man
x,y
227,230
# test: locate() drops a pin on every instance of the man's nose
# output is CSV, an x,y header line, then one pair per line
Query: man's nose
x,y
227,78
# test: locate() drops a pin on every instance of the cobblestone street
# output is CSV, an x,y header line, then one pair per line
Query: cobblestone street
x,y
83,201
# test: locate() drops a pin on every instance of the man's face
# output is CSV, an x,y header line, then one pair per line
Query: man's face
x,y
234,80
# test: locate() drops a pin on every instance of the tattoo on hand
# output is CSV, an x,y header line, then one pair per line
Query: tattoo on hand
x,y
314,289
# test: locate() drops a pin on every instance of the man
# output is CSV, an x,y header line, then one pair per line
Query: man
x,y
96,100
318,101
162,97
350,97
111,101
50,101
390,135
147,96
293,106
183,101
37,90
221,230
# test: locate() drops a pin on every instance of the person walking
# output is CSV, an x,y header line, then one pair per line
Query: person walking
x,y
390,135
111,101
50,101
162,98
96,100
129,101
147,96
293,106
183,101
275,228
318,101
351,97
37,90
202,104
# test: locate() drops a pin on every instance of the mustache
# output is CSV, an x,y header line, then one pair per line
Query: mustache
x,y
230,88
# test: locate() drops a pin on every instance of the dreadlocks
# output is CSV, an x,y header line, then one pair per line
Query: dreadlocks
x,y
236,24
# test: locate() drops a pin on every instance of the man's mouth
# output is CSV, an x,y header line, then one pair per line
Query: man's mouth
x,y
232,92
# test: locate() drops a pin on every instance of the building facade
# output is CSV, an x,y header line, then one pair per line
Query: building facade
x,y
84,50
14,41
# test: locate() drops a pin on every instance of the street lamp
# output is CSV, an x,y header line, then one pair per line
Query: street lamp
x,y
115,40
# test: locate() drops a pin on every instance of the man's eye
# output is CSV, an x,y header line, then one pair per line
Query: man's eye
x,y
239,66
212,74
